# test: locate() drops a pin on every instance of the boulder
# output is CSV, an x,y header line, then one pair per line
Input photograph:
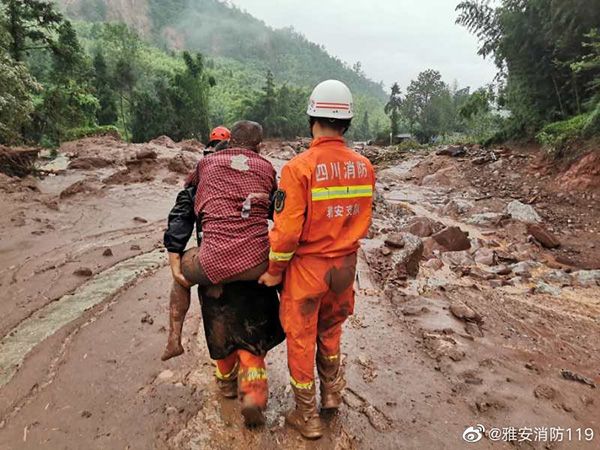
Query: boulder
x,y
457,207
422,226
560,277
522,212
485,256
406,260
452,239
463,312
545,288
587,278
488,219
395,240
457,259
543,236
452,150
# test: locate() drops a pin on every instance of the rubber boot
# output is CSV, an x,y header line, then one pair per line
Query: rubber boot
x,y
229,387
305,418
253,414
332,381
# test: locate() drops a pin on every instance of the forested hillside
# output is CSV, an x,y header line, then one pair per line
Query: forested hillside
x,y
217,29
147,68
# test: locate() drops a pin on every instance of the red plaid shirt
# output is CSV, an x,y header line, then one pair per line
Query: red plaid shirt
x,y
233,201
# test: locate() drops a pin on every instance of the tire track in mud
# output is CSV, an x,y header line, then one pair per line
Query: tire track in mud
x,y
47,320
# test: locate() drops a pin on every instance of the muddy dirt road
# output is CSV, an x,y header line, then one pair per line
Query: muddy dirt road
x,y
450,330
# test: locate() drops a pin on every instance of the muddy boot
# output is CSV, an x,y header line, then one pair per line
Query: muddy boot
x,y
229,387
332,381
305,418
253,414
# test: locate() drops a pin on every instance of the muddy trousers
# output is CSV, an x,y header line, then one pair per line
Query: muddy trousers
x,y
317,298
251,374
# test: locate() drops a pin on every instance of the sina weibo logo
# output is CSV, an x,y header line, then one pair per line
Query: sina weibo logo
x,y
474,434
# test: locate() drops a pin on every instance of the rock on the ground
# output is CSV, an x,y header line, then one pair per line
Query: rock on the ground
x,y
395,240
406,261
587,278
522,212
452,150
543,236
545,288
485,256
434,264
443,177
559,277
457,259
107,252
422,226
457,207
452,239
463,312
524,268
83,272
487,219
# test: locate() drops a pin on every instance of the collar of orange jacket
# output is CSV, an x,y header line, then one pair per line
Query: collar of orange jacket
x,y
327,140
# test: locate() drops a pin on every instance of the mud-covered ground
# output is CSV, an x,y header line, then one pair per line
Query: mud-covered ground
x,y
450,330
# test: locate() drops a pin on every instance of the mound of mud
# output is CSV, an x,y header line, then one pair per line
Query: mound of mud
x,y
17,161
182,163
137,171
163,141
583,174
89,163
11,185
192,146
86,186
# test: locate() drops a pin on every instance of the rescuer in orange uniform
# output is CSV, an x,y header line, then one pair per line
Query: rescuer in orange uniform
x,y
322,208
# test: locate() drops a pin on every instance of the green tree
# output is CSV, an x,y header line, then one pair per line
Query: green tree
x,y
427,105
392,109
30,24
534,45
364,129
16,103
68,57
107,111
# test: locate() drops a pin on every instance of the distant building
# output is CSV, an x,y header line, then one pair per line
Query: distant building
x,y
403,137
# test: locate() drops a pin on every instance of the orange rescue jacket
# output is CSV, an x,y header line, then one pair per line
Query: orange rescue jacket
x,y
324,204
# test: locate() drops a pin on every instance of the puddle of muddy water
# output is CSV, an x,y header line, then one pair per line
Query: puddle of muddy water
x,y
46,321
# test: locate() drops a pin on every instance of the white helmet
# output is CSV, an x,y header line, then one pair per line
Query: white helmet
x,y
332,100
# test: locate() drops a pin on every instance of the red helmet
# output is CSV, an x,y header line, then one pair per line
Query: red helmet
x,y
220,134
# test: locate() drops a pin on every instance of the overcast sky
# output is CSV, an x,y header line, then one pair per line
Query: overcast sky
x,y
393,39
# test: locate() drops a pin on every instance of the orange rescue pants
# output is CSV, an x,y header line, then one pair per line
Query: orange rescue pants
x,y
317,298
251,375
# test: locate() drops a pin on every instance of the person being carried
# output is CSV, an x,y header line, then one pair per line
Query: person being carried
x,y
228,196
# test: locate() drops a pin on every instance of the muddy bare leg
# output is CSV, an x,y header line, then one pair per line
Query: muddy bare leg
x,y
179,303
